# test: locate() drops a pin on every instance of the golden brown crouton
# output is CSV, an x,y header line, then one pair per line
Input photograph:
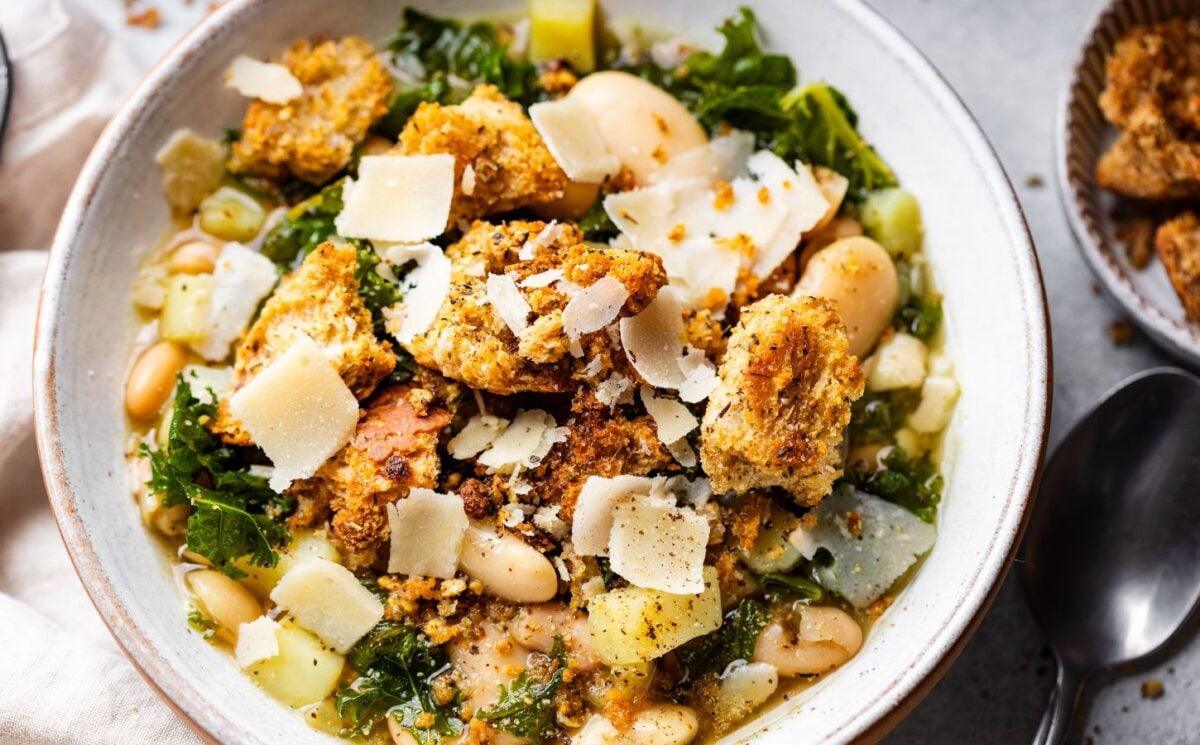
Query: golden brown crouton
x,y
1178,245
469,342
319,299
394,449
777,417
1152,92
509,164
312,137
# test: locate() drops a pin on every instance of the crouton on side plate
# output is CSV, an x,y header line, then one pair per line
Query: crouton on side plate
x,y
311,138
500,161
778,415
319,299
1178,245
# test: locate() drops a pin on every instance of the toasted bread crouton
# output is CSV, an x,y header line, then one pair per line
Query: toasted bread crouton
x,y
1178,245
599,443
777,417
510,166
1152,93
468,340
319,299
311,138
394,449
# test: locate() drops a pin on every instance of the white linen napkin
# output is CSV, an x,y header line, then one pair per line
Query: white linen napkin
x,y
62,677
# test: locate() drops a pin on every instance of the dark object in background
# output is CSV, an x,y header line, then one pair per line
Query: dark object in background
x,y
5,89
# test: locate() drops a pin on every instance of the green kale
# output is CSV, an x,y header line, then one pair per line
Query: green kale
x,y
778,586
875,417
450,59
912,483
824,132
526,707
377,292
233,512
305,227
734,640
596,225
399,666
201,623
920,317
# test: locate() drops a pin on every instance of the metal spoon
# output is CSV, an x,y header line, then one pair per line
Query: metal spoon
x,y
1111,559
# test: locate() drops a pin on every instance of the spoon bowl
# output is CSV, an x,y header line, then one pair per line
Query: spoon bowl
x,y
1111,559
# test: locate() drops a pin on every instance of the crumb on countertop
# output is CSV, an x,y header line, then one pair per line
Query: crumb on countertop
x,y
1153,689
1120,332
147,18
1034,181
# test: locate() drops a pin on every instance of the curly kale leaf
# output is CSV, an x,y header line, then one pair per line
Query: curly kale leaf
x,y
234,513
920,316
912,483
778,586
824,132
734,640
526,707
450,59
306,226
875,417
399,665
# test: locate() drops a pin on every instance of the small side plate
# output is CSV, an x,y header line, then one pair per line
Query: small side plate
x,y
1083,134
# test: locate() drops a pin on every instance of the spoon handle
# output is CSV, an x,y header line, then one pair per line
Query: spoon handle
x,y
1061,709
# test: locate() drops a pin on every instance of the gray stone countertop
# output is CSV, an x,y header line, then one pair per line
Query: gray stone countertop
x,y
1008,60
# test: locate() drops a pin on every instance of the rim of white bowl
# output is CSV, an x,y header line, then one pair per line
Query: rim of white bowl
x,y
875,717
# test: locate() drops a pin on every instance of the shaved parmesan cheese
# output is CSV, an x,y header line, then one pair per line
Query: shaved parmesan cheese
x,y
673,420
570,133
610,392
593,519
695,492
545,237
868,559
298,410
478,435
509,303
266,81
546,519
400,198
700,376
683,453
721,159
653,340
594,307
328,600
658,547
542,279
241,280
797,190
256,641
427,532
525,442
468,180
424,290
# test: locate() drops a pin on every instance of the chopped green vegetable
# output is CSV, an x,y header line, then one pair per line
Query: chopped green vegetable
x,y
376,291
892,217
734,640
399,666
876,416
912,483
201,623
824,133
235,513
526,707
451,59
920,317
596,225
305,227
785,585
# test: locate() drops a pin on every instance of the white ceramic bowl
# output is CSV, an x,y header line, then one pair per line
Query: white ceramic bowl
x,y
977,241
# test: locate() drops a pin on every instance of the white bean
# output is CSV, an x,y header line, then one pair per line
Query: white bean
x,y
225,601
152,379
821,639
858,276
170,521
536,626
641,124
509,568
400,736
664,724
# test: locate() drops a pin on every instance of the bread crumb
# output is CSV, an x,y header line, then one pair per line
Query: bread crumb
x,y
1153,689
1138,236
1120,332
1034,181
147,19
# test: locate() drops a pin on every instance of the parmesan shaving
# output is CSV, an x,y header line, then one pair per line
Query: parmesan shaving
x,y
659,547
256,641
508,302
398,198
573,138
593,519
328,600
673,420
594,307
653,340
542,279
266,81
478,435
241,279
524,443
424,288
427,530
700,376
610,392
683,453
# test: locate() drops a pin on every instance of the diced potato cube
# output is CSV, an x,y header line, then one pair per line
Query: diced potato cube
x,y
308,544
304,672
231,215
192,168
633,624
185,308
938,396
893,218
898,363
563,29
